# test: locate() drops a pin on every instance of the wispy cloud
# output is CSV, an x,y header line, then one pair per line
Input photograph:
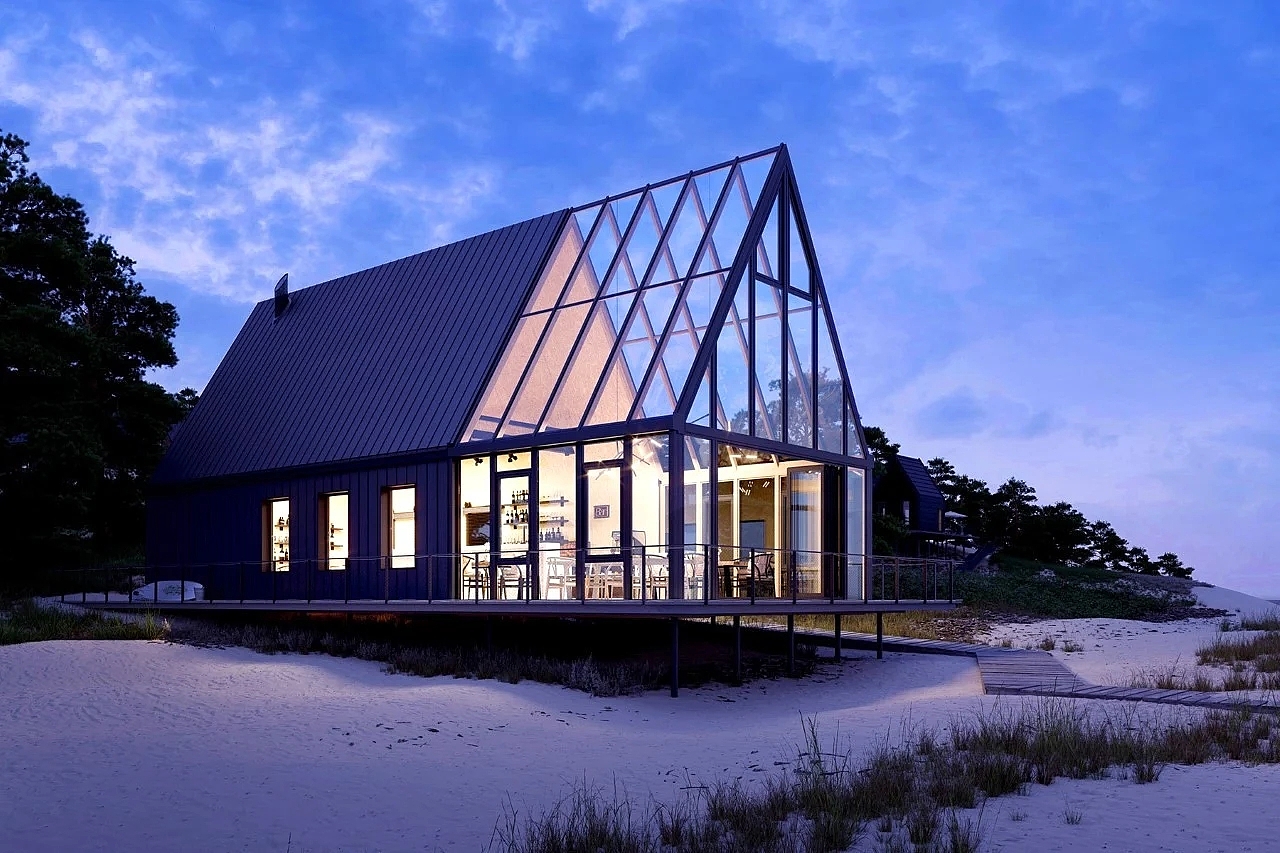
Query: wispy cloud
x,y
219,196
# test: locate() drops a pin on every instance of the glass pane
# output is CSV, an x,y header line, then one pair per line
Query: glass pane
x,y
798,273
664,200
475,530
618,391
602,451
556,520
800,371
503,385
402,533
768,328
697,492
650,481
685,235
513,515
623,278
598,340
710,187
852,446
278,534
531,398
731,222
603,246
604,510
767,254
643,241
547,292
636,355
336,530
855,532
515,461
732,369
700,299
754,172
700,412
669,377
830,392
623,209
805,527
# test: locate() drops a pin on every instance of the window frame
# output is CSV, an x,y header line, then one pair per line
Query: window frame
x,y
326,561
270,563
389,559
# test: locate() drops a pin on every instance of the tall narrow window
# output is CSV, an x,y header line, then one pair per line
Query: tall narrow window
x,y
401,503
334,530
276,535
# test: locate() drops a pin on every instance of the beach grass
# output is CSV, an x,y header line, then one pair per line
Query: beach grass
x,y
27,622
913,795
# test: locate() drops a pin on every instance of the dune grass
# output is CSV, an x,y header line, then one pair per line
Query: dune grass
x,y
1262,650
26,622
1253,622
912,796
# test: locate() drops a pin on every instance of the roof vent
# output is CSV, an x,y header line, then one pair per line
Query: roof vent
x,y
282,294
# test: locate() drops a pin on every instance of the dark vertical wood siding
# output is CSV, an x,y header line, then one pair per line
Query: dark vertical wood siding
x,y
216,535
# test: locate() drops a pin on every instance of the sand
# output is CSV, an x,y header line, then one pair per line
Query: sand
x,y
148,746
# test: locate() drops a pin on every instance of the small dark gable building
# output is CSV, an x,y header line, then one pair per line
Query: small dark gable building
x,y
641,397
908,492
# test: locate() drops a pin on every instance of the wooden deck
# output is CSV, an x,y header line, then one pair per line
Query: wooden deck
x,y
591,608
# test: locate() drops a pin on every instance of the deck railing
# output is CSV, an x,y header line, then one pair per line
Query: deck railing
x,y
639,574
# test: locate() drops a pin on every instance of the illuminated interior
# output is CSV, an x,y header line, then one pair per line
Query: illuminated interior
x,y
402,501
693,306
277,535
335,529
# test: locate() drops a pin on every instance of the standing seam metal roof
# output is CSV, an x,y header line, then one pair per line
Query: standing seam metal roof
x,y
383,361
918,473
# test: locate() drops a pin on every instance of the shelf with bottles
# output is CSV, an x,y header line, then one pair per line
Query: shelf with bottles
x,y
520,497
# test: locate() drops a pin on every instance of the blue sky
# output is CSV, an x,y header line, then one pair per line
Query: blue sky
x,y
1049,230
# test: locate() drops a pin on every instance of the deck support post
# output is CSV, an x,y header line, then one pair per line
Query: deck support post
x,y
737,649
837,636
675,657
791,644
879,635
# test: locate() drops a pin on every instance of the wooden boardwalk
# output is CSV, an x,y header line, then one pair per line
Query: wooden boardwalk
x,y
1030,672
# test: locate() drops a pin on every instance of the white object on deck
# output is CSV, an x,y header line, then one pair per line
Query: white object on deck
x,y
170,591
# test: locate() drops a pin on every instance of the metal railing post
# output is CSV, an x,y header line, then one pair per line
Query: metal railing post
x,y
707,575
430,565
242,581
795,578
924,581
752,563
834,579
897,579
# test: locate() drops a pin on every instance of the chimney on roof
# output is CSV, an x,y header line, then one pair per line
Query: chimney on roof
x,y
282,294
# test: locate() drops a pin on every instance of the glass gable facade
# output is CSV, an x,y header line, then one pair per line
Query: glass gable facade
x,y
671,416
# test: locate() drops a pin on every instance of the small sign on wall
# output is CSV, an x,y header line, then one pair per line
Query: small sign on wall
x,y
600,511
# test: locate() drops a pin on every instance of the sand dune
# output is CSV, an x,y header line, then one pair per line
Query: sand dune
x,y
157,747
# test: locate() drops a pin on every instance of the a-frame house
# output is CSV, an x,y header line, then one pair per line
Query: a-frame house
x,y
641,397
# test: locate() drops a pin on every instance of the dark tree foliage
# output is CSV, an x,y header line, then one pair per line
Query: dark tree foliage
x,y
1012,517
81,428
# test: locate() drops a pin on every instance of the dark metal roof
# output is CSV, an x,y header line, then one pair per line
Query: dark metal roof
x,y
379,362
919,476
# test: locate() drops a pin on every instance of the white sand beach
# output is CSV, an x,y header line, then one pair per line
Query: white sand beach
x,y
148,746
